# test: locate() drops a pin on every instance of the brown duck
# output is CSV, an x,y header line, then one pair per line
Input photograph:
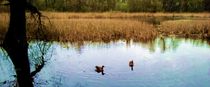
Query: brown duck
x,y
131,64
100,69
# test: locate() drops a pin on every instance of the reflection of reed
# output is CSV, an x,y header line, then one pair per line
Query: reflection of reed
x,y
163,44
171,43
168,43
208,41
1,43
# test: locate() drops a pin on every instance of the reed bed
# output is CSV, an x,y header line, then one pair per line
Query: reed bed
x,y
186,28
4,22
88,30
102,30
112,26
108,15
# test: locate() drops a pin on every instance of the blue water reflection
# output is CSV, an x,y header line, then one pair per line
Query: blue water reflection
x,y
169,62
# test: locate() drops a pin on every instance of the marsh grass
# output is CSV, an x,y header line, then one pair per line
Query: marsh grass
x,y
103,30
4,18
186,28
72,27
152,18
108,15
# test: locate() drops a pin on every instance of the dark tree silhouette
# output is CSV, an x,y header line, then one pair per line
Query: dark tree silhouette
x,y
15,42
207,5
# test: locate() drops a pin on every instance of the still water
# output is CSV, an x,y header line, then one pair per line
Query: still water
x,y
169,62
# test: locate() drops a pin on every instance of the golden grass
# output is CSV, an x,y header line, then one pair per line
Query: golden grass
x,y
91,30
186,28
4,22
68,15
103,29
113,26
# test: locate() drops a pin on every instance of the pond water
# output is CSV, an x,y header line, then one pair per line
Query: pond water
x,y
169,62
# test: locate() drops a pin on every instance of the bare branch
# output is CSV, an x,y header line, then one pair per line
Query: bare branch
x,y
36,15
38,67
33,9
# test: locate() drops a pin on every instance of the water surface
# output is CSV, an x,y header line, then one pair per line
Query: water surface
x,y
169,62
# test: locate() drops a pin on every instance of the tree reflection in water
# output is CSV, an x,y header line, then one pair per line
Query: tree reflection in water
x,y
38,57
39,54
164,44
168,43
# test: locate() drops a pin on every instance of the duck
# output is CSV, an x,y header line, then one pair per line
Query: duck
x,y
131,64
100,69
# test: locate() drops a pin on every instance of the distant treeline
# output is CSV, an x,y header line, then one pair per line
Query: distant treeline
x,y
123,5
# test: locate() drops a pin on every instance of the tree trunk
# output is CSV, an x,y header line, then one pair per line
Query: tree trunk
x,y
15,43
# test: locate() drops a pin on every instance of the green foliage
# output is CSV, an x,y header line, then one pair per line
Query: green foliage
x,y
145,5
195,5
206,5
123,5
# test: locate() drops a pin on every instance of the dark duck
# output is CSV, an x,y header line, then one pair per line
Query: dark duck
x,y
100,69
131,64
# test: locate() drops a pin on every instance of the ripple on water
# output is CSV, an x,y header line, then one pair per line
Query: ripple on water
x,y
169,62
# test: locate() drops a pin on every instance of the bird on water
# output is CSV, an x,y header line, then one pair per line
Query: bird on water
x,y
100,69
131,64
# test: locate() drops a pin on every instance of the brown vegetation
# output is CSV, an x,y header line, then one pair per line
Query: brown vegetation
x,y
103,30
67,15
113,26
4,22
186,28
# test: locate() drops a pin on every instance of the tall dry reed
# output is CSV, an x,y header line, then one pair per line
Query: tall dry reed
x,y
102,29
113,25
186,28
108,15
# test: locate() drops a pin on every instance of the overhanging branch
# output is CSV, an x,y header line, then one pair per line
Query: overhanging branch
x,y
36,14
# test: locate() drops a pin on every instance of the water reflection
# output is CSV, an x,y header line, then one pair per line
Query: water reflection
x,y
167,43
7,72
171,44
39,54
168,62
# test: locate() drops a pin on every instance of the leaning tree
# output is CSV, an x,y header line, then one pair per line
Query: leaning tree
x,y
15,42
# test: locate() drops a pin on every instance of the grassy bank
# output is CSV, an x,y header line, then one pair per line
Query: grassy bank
x,y
186,28
113,26
63,15
4,22
103,30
